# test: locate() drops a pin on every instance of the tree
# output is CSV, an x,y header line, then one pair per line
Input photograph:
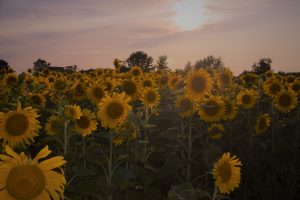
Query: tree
x,y
161,63
39,65
3,65
117,63
188,67
141,59
209,62
262,66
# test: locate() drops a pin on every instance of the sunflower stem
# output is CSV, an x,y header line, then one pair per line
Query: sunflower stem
x,y
190,146
84,151
110,161
214,197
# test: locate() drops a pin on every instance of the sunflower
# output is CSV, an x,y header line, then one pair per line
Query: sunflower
x,y
150,97
269,73
290,79
96,93
246,98
230,109
54,126
86,124
59,84
272,86
118,140
147,82
249,78
37,100
78,90
262,123
212,109
285,101
19,127
72,112
216,131
163,80
224,78
295,86
227,173
185,106
174,79
113,110
109,84
130,87
10,80
198,84
26,179
136,71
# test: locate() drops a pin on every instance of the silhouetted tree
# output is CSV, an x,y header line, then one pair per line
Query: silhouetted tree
x,y
140,58
3,65
262,66
188,67
161,63
39,65
209,62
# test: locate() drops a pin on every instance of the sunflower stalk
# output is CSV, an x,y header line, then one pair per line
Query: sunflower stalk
x,y
190,146
214,197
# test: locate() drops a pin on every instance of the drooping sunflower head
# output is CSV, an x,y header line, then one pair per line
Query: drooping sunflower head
x,y
130,87
54,126
212,109
230,109
37,100
216,131
227,172
249,79
19,127
10,80
285,101
96,92
86,124
136,71
150,97
72,112
272,86
198,84
246,98
25,179
59,84
295,86
113,110
262,123
224,78
185,106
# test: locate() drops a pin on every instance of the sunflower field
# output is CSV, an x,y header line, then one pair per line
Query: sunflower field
x,y
161,135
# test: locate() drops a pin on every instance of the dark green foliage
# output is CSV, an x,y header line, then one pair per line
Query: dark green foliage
x,y
141,59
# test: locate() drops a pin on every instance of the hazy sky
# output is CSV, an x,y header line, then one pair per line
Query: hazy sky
x,y
91,33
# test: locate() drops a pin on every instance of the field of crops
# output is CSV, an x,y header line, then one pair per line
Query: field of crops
x,y
177,135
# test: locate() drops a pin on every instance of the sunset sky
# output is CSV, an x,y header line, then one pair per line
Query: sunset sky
x,y
91,33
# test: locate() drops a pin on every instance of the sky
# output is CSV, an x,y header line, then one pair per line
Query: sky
x,y
91,33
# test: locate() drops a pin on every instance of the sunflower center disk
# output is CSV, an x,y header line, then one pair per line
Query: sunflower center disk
x,y
285,100
98,92
198,84
246,99
114,110
275,88
151,97
225,172
25,182
36,100
83,122
129,87
212,108
17,124
185,105
136,72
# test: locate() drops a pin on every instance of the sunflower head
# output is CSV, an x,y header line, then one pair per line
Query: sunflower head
x,y
285,101
113,110
163,80
249,78
185,106
54,126
216,131
86,124
130,87
37,100
136,71
72,112
96,93
25,178
227,173
59,84
19,127
224,78
10,80
262,123
150,97
247,98
198,84
147,82
230,109
295,86
272,86
212,109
